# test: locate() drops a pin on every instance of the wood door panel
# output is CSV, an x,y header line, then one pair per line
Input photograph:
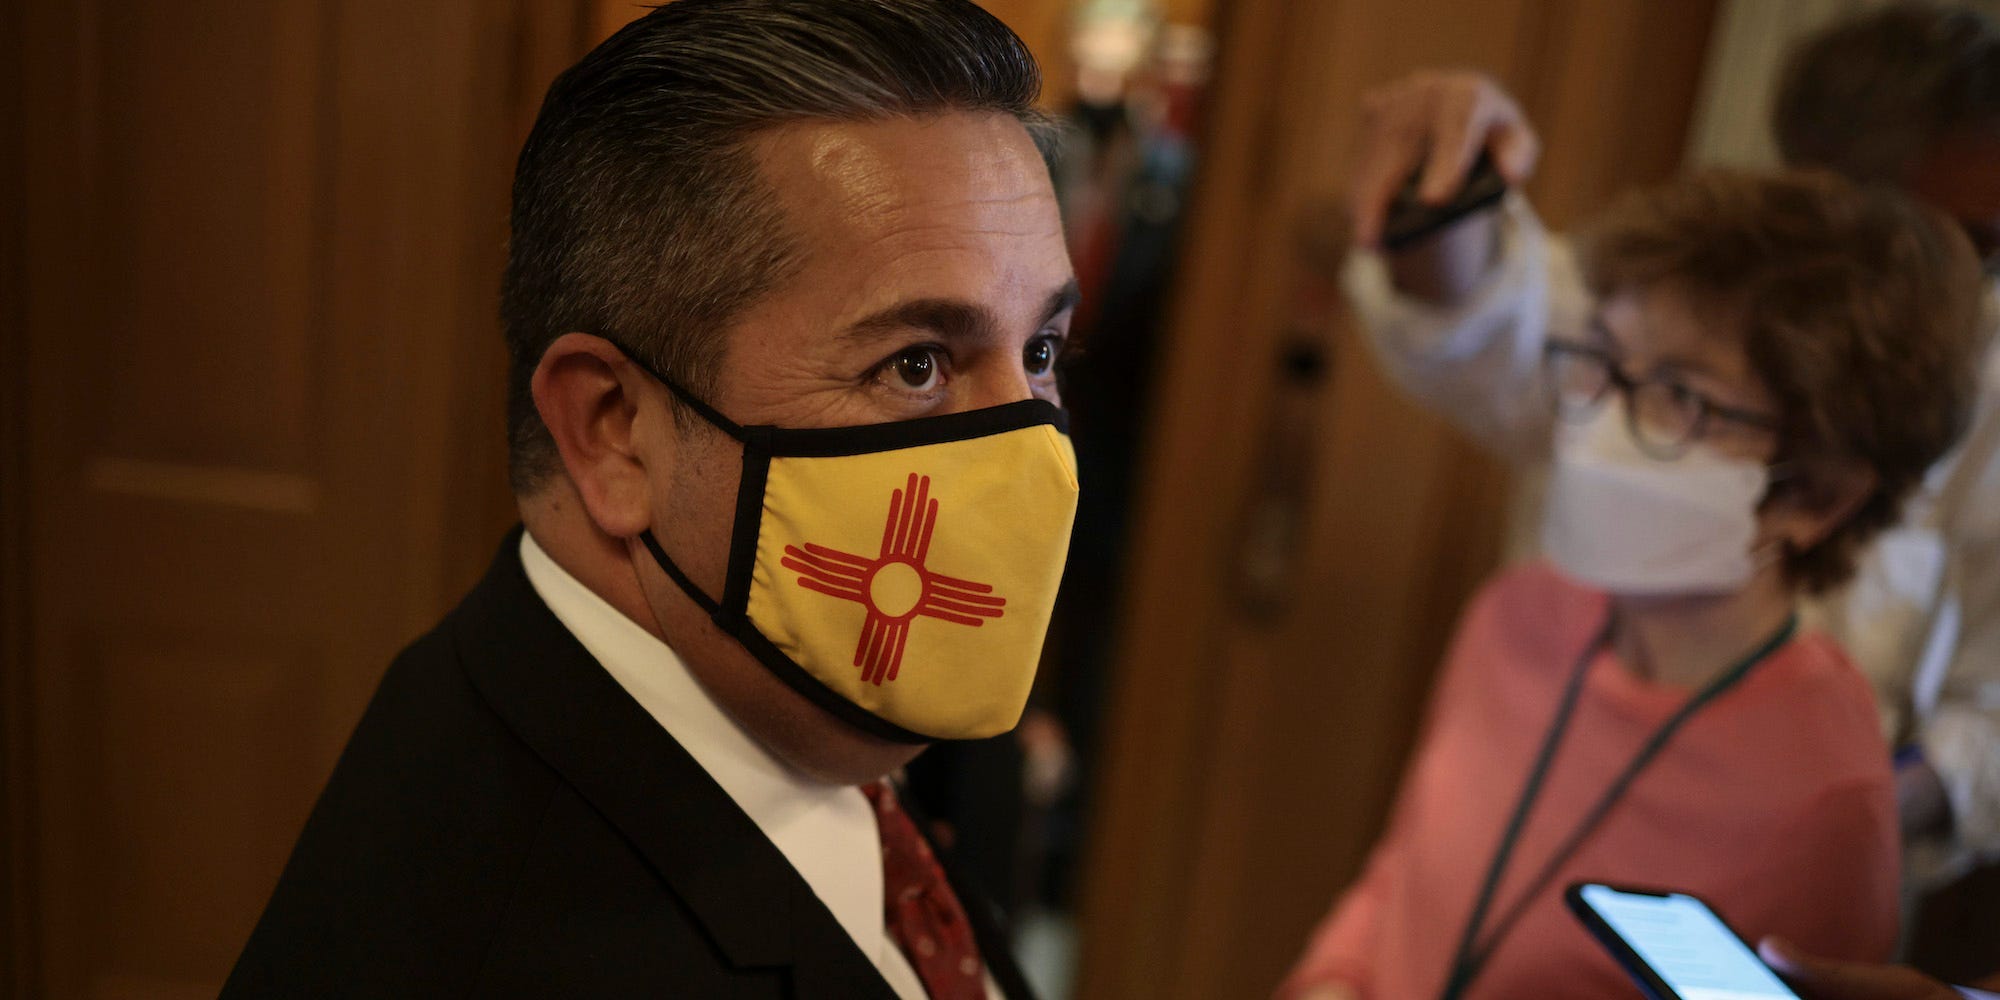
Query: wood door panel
x,y
248,489
200,202
263,437
190,828
157,564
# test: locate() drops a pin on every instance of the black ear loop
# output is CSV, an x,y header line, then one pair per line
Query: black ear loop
x,y
700,597
730,613
715,419
701,408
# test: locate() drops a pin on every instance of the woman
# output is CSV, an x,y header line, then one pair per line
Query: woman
x,y
1774,362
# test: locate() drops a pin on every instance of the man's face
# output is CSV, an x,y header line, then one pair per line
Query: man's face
x,y
1960,176
934,280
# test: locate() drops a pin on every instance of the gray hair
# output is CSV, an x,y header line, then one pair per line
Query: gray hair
x,y
638,208
1868,95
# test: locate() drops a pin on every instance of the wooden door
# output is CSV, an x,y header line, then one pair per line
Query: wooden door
x,y
254,376
1253,745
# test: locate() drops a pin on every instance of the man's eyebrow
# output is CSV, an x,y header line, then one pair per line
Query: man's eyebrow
x,y
949,319
1062,300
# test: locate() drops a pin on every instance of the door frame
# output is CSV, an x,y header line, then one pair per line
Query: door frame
x,y
16,883
515,48
15,873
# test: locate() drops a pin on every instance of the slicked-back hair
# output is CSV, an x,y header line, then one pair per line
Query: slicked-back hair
x,y
1859,308
1866,96
638,206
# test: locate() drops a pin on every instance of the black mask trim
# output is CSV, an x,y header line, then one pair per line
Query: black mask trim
x,y
737,626
761,443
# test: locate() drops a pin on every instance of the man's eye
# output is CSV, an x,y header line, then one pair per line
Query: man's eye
x,y
1040,355
915,368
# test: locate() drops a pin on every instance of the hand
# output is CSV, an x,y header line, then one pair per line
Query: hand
x,y
1439,120
1329,991
1048,766
1821,979
1921,800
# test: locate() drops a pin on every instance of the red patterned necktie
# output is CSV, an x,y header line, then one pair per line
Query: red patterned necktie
x,y
921,912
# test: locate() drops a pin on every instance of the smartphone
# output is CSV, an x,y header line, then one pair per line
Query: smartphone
x,y
1411,221
1674,945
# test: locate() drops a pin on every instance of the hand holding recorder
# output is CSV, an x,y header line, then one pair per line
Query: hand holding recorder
x,y
1434,125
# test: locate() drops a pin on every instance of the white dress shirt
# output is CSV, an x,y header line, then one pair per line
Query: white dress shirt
x,y
827,832
1922,616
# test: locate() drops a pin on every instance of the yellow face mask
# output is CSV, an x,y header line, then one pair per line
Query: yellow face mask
x,y
901,575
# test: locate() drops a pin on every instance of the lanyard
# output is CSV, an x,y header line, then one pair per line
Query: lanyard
x,y
1472,953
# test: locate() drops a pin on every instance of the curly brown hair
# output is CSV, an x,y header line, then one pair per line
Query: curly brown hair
x,y
1867,95
1860,309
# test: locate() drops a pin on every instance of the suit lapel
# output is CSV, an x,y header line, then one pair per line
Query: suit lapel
x,y
995,945
560,702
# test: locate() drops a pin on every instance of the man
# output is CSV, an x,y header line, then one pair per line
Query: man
x,y
777,266
1908,95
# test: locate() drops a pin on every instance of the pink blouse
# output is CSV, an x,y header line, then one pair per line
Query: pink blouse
x,y
1774,803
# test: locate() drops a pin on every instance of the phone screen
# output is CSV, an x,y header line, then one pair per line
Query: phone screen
x,y
1687,945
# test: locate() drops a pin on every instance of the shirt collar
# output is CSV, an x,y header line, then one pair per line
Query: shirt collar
x,y
826,831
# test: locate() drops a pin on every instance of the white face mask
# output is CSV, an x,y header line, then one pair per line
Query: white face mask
x,y
1625,522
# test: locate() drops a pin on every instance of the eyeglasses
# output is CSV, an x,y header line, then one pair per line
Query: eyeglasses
x,y
1985,237
1664,416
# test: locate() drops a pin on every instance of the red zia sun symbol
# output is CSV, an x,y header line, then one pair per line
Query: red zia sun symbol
x,y
894,586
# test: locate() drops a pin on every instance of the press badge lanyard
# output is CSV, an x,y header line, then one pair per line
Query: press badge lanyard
x,y
1471,954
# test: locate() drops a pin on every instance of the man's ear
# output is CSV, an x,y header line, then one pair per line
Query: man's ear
x,y
1822,498
592,399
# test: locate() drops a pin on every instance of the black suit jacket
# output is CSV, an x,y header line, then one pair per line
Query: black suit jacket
x,y
506,821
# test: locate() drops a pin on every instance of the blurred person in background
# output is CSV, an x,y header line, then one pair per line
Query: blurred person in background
x,y
1123,174
1908,96
777,267
1820,979
1768,365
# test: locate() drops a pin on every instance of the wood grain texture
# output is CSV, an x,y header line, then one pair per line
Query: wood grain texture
x,y
17,888
262,443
